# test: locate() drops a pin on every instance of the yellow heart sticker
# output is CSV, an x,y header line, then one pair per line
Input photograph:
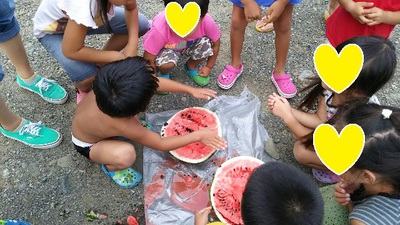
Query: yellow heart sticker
x,y
182,21
338,152
338,72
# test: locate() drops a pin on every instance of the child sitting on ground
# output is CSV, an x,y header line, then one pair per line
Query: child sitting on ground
x,y
373,182
163,47
278,193
378,68
121,90
362,18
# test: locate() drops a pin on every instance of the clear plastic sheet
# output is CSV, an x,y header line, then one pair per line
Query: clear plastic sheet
x,y
174,190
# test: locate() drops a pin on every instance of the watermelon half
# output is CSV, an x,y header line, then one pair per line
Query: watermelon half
x,y
228,186
187,121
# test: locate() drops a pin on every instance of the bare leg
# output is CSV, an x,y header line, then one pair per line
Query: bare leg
x,y
85,85
117,42
282,27
8,120
333,5
166,68
15,51
238,27
114,154
307,157
193,64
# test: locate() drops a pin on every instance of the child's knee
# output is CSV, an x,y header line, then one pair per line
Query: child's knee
x,y
126,156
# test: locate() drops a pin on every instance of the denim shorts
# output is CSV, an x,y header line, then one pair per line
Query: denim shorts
x,y
80,71
264,3
9,26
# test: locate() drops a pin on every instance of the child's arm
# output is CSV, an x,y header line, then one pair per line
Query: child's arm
x,y
312,120
252,10
173,86
356,9
280,107
201,217
132,24
206,70
275,10
378,16
73,46
153,140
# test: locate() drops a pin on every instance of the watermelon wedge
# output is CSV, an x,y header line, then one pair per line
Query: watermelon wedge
x,y
228,186
187,121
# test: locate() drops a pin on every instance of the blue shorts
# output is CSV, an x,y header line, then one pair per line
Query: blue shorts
x,y
9,26
264,3
80,71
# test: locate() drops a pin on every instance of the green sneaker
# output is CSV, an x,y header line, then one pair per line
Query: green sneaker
x,y
34,135
48,89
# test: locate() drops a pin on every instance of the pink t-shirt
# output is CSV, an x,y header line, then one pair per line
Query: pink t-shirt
x,y
161,36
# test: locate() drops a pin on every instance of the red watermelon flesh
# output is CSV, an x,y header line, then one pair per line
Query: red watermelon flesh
x,y
228,186
187,121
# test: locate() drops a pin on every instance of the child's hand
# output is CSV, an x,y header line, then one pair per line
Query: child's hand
x,y
340,193
251,10
204,71
209,137
279,106
203,93
377,16
356,9
274,11
201,217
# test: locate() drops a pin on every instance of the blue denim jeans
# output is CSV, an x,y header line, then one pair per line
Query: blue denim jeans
x,y
9,26
80,71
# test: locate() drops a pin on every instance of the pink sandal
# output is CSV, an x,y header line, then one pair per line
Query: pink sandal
x,y
228,77
284,85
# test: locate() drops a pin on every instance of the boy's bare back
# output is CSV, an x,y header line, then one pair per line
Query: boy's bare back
x,y
91,125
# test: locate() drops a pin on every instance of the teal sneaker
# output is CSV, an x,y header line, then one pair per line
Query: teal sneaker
x,y
48,89
34,135
13,222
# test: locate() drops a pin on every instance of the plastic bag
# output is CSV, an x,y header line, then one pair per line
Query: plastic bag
x,y
175,190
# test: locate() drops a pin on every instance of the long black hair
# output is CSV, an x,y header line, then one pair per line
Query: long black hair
x,y
378,68
103,8
381,153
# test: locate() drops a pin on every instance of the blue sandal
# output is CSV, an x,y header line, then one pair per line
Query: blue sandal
x,y
127,178
193,74
13,222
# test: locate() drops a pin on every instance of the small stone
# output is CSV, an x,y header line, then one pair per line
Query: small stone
x,y
270,149
277,140
160,106
6,173
43,179
65,161
183,99
305,74
64,184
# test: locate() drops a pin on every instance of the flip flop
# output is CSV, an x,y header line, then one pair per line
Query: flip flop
x,y
13,222
263,27
127,178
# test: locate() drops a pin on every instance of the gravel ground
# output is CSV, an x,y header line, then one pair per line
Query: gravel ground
x,y
57,186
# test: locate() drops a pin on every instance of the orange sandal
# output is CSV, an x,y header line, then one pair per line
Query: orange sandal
x,y
263,27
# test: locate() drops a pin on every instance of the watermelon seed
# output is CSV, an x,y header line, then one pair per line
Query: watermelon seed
x,y
195,176
162,176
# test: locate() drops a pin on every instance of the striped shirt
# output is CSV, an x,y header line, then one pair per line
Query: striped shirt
x,y
377,210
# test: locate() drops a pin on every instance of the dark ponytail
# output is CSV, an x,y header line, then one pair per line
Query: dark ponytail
x,y
103,6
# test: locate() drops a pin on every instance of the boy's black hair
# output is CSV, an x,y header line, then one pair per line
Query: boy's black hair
x,y
124,88
378,68
381,153
202,3
278,193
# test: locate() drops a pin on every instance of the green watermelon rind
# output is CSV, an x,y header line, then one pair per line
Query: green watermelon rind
x,y
188,160
234,160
